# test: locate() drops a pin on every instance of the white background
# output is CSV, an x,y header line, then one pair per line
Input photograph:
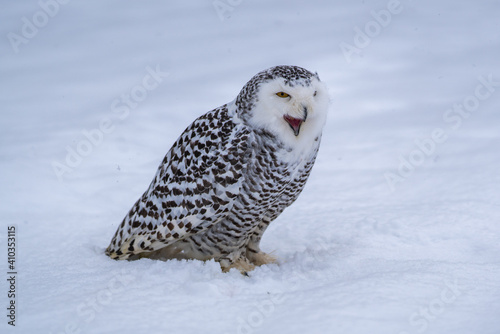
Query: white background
x,y
358,254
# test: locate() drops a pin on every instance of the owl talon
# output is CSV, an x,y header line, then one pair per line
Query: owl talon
x,y
242,264
262,258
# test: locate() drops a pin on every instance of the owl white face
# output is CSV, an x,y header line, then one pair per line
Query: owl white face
x,y
294,113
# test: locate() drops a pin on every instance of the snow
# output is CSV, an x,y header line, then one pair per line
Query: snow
x,y
419,253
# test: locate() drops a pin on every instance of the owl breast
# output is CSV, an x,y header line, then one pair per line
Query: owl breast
x,y
271,184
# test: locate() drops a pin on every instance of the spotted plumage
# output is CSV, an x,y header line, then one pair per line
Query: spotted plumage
x,y
230,173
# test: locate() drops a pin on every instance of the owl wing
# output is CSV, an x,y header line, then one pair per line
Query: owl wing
x,y
195,187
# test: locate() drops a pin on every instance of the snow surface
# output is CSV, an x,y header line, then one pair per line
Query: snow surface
x,y
358,254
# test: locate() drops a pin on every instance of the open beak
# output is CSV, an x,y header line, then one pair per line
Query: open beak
x,y
295,123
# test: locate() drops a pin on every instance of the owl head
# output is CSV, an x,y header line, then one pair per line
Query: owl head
x,y
289,102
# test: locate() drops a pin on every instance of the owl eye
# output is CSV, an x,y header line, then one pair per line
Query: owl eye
x,y
282,94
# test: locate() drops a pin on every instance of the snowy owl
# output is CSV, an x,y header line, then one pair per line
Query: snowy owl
x,y
230,173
